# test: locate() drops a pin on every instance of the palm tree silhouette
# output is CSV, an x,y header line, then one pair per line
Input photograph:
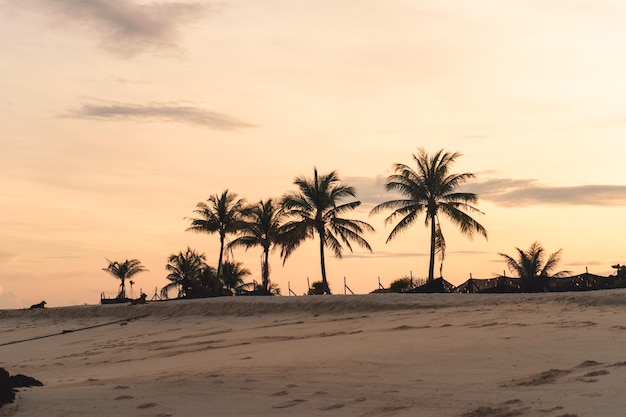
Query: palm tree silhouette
x,y
531,268
233,277
315,209
222,214
123,271
185,272
431,189
262,227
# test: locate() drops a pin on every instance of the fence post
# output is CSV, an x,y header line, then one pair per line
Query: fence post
x,y
345,287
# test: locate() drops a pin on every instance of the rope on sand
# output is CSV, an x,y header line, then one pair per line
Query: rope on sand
x,y
76,330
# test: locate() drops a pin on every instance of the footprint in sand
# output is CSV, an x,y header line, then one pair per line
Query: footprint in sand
x,y
288,404
332,407
597,373
589,376
124,397
499,410
587,364
547,377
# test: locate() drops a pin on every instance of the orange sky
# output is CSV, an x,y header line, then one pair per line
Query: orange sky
x,y
117,117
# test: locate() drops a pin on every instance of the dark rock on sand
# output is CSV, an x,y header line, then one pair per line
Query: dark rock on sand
x,y
19,381
9,383
7,394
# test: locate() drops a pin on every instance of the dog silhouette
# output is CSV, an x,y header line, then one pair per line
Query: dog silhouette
x,y
40,305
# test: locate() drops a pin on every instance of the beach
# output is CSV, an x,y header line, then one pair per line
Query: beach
x,y
465,355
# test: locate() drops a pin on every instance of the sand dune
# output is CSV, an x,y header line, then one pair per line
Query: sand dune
x,y
466,355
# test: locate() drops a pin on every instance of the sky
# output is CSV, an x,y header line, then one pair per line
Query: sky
x,y
118,116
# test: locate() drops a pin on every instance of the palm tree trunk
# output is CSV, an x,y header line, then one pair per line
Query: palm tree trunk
x,y
431,266
323,264
122,293
266,270
219,262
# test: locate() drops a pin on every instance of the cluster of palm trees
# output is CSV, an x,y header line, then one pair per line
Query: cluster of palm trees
x,y
192,277
316,209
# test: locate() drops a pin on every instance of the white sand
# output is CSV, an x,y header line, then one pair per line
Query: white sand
x,y
550,355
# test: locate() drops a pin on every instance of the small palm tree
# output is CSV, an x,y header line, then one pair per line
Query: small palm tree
x,y
262,227
233,277
315,209
532,267
432,190
272,288
222,214
123,271
185,272
317,288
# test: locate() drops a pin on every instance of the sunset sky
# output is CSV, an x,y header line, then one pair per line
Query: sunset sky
x,y
117,117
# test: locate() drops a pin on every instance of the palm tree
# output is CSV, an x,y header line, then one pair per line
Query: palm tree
x,y
185,272
315,208
431,190
317,288
531,268
223,215
233,275
123,271
209,282
262,227
272,288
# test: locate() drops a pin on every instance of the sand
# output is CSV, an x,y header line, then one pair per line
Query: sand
x,y
470,355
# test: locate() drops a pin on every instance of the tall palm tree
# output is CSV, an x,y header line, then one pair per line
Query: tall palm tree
x,y
222,214
233,276
432,190
123,271
532,267
262,227
185,272
315,209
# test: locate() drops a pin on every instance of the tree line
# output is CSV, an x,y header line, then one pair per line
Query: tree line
x,y
317,209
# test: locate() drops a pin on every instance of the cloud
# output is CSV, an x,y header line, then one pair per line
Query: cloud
x,y
156,112
399,255
507,192
8,300
526,192
123,27
588,263
384,255
370,191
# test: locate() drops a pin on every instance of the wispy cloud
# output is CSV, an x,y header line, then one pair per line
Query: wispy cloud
x,y
123,27
527,192
399,255
507,192
368,190
156,112
384,255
